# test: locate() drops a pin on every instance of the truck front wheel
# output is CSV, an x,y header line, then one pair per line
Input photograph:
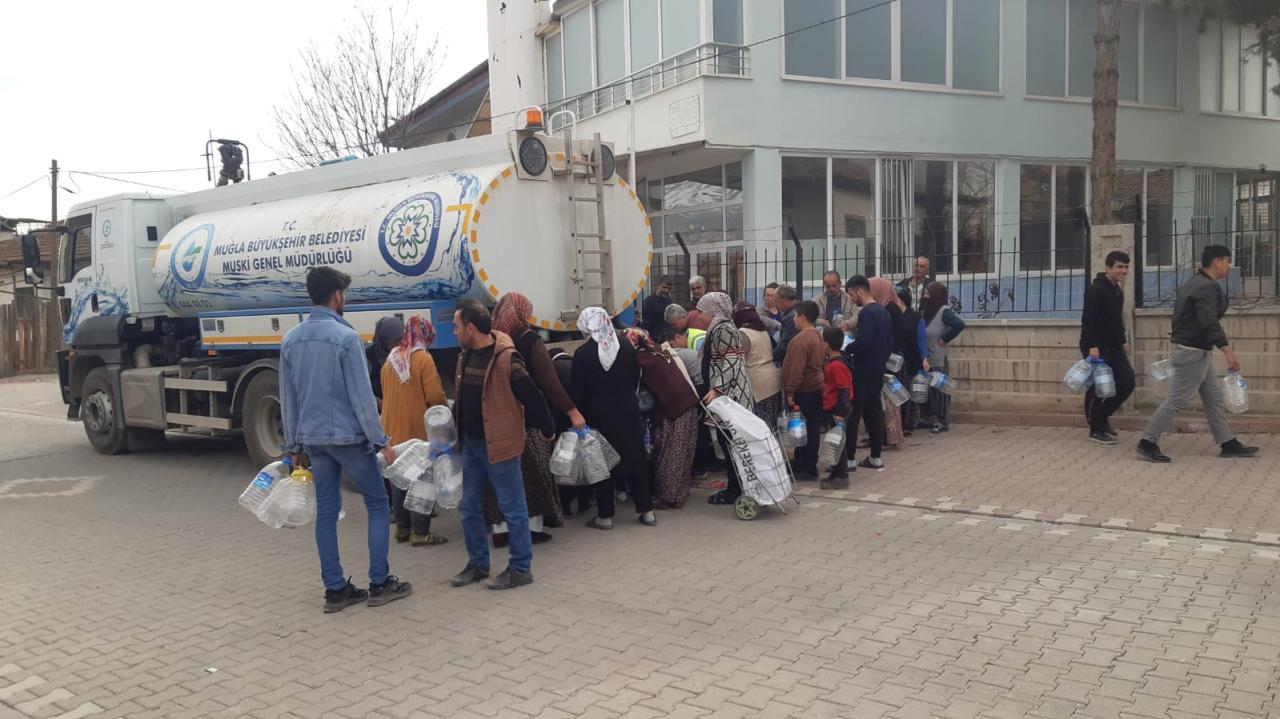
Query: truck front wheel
x,y
102,413
260,418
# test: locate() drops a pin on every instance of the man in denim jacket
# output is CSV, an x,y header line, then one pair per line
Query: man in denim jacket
x,y
331,424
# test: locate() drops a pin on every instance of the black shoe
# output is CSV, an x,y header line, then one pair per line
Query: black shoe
x,y
500,539
723,497
510,579
1234,450
1111,431
1150,451
1101,437
805,475
539,537
389,591
335,600
551,522
470,575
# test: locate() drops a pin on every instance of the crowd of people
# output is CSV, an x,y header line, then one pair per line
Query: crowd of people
x,y
642,388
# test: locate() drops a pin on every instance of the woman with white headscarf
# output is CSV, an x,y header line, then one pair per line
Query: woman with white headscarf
x,y
603,382
724,368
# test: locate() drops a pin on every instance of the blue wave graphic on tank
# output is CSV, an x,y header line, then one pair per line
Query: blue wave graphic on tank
x,y
452,274
112,301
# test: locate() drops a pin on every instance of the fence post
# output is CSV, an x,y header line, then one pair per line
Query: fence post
x,y
799,260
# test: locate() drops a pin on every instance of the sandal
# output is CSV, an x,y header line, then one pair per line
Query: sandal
x,y
939,428
595,523
427,540
866,462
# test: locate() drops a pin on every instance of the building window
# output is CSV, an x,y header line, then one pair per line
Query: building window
x,y
1236,72
644,34
555,68
611,62
1060,50
705,208
804,197
1053,219
576,30
948,43
853,214
680,26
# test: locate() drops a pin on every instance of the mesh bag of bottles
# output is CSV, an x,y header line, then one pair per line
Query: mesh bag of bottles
x,y
292,502
592,460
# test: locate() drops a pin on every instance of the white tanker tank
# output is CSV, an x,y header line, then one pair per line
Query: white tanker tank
x,y
474,232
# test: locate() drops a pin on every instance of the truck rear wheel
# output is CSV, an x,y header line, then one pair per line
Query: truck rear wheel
x,y
102,413
260,418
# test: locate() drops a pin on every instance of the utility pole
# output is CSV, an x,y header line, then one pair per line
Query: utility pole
x,y
53,184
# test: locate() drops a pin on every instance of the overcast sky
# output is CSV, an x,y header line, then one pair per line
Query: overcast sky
x,y
111,86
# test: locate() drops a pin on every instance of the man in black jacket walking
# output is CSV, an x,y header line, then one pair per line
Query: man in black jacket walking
x,y
1197,330
1102,336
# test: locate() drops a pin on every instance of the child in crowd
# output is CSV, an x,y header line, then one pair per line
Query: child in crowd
x,y
837,393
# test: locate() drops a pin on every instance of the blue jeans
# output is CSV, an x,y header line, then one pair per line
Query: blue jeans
x,y
327,463
508,485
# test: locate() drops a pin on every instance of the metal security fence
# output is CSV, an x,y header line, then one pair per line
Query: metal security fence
x,y
1170,259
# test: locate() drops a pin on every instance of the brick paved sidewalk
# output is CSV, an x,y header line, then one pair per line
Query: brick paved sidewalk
x,y
1057,474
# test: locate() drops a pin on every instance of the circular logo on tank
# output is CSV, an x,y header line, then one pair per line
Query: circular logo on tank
x,y
190,257
409,233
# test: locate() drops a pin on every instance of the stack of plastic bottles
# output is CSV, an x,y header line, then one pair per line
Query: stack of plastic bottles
x,y
920,388
894,364
292,502
446,465
797,431
1078,377
896,391
564,456
594,465
256,493
412,458
832,446
1235,393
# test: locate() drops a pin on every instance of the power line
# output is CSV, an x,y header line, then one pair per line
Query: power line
x,y
38,178
128,182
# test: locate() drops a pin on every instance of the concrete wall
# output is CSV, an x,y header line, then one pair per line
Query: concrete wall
x,y
1017,365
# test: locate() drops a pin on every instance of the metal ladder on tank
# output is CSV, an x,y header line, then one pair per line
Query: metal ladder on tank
x,y
586,277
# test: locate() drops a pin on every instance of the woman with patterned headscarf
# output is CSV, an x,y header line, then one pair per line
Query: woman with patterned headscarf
x,y
603,381
675,412
410,385
511,316
941,326
724,369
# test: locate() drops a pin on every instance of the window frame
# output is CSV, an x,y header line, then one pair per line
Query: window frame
x,y
664,249
1219,66
1179,50
1052,249
895,56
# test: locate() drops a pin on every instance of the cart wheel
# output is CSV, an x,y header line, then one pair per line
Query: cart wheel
x,y
746,508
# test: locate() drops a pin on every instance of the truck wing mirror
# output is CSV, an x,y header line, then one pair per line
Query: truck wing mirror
x,y
31,260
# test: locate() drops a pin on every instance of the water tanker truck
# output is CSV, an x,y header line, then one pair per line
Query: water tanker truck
x,y
174,307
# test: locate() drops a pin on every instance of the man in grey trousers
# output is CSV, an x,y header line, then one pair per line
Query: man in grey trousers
x,y
1197,330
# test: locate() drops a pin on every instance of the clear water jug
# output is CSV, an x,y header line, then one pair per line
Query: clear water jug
x,y
440,428
797,430
896,391
411,461
611,457
563,455
256,493
1104,380
421,497
894,364
292,502
920,388
1161,371
942,382
1235,393
832,447
594,465
1078,376
446,474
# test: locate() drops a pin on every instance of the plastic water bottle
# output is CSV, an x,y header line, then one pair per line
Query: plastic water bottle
x,y
920,388
562,457
1161,371
594,465
253,495
1235,393
421,497
292,502
446,471
832,445
797,430
894,364
411,461
898,394
1104,380
1078,376
611,457
440,428
942,382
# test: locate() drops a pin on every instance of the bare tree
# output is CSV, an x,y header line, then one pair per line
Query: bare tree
x,y
347,93
1106,79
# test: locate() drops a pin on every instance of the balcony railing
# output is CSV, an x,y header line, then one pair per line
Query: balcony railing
x,y
711,59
